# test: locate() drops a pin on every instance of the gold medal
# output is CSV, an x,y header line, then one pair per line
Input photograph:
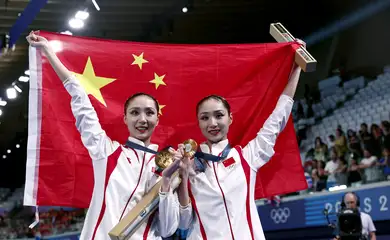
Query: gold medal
x,y
164,159
190,147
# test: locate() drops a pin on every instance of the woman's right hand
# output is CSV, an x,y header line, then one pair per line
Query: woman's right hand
x,y
168,172
177,157
37,41
186,165
40,42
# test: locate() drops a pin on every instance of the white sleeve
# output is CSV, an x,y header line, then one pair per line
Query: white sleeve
x,y
371,226
168,213
327,166
94,138
261,149
186,215
172,215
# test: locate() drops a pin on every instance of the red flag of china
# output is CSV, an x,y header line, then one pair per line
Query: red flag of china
x,y
251,77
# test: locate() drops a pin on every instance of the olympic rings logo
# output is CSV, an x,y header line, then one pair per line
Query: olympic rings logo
x,y
280,215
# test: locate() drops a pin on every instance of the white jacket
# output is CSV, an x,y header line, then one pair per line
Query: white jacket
x,y
222,198
122,175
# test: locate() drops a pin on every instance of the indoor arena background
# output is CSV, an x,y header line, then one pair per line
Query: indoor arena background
x,y
349,90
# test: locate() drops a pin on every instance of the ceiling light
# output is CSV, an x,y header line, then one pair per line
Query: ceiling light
x,y
96,5
2,102
4,156
23,79
8,151
82,15
27,72
1,112
11,93
56,45
17,88
67,32
185,9
76,23
17,146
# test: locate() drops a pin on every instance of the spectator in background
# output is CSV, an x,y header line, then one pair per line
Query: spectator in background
x,y
318,183
377,140
331,141
366,138
385,126
315,178
309,181
350,133
354,144
330,169
340,127
354,174
310,165
369,164
322,178
384,163
320,150
341,171
340,143
314,164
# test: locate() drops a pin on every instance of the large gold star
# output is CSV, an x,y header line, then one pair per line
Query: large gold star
x,y
160,107
139,60
158,80
92,83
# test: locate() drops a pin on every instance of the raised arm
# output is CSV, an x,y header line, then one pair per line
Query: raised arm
x,y
261,149
94,138
292,84
42,43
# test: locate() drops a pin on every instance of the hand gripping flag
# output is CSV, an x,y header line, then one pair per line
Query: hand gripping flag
x,y
250,76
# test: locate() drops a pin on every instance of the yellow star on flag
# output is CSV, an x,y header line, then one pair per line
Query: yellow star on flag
x,y
139,60
160,107
92,83
158,80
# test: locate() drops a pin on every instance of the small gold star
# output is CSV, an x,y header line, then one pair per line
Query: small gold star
x,y
160,107
158,80
139,60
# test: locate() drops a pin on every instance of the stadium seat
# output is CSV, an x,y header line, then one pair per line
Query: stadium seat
x,y
370,104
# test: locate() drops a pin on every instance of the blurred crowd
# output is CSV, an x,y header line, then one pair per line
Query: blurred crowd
x,y
350,158
50,223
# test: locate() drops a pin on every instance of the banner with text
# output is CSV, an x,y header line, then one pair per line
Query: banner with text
x,y
309,212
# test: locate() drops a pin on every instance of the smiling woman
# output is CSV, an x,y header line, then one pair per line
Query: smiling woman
x,y
214,117
122,173
213,199
141,116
